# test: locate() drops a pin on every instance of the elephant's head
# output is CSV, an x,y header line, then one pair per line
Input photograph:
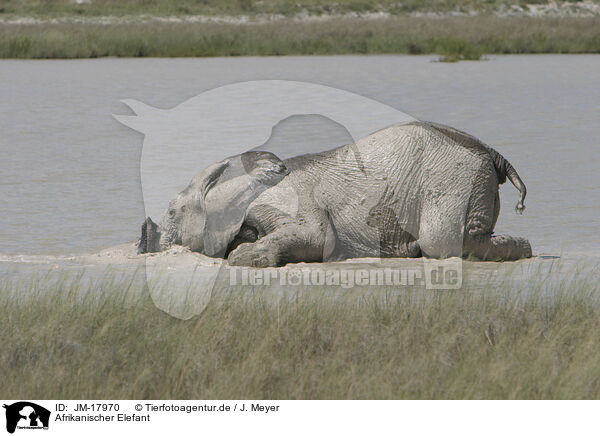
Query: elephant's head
x,y
206,216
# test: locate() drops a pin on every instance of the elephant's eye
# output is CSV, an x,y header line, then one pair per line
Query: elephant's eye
x,y
172,212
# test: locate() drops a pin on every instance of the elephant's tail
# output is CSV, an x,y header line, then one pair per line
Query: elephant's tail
x,y
503,167
506,170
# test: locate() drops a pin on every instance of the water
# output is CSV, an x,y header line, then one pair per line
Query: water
x,y
70,173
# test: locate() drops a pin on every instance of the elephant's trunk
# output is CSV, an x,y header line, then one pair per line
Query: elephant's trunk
x,y
505,170
150,239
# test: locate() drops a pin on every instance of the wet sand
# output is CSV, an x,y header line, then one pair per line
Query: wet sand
x,y
182,283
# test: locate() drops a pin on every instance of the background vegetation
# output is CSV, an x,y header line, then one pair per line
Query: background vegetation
x,y
249,7
132,28
541,341
454,36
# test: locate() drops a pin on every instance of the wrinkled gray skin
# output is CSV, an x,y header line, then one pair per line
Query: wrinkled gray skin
x,y
207,214
410,190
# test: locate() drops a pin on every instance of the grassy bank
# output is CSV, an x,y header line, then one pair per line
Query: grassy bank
x,y
460,36
426,344
248,7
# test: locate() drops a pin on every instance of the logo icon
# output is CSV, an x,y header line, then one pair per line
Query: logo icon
x,y
271,120
26,415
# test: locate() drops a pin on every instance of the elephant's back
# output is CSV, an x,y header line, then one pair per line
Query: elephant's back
x,y
409,168
414,170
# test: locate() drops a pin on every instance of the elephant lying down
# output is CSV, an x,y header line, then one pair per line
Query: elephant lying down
x,y
409,190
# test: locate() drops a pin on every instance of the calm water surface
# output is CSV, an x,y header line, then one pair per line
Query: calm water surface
x,y
70,173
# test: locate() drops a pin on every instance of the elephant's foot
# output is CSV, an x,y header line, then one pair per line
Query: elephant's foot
x,y
497,248
413,249
253,254
409,249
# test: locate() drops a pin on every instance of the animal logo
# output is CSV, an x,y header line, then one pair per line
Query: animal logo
x,y
26,415
236,118
226,121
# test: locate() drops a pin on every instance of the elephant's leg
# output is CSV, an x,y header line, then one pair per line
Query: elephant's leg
x,y
440,241
484,204
299,242
496,247
441,227
246,234
484,208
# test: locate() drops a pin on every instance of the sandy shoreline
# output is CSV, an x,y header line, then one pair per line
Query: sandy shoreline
x,y
584,9
124,255
182,283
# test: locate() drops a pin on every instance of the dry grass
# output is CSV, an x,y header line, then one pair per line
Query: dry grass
x,y
236,7
539,342
461,37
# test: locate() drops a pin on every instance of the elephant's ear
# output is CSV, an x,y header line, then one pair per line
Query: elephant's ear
x,y
210,176
216,240
227,198
226,205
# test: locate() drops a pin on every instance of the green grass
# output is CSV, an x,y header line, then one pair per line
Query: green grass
x,y
501,343
463,38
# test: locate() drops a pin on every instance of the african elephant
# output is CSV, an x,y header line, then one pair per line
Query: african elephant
x,y
207,214
409,190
